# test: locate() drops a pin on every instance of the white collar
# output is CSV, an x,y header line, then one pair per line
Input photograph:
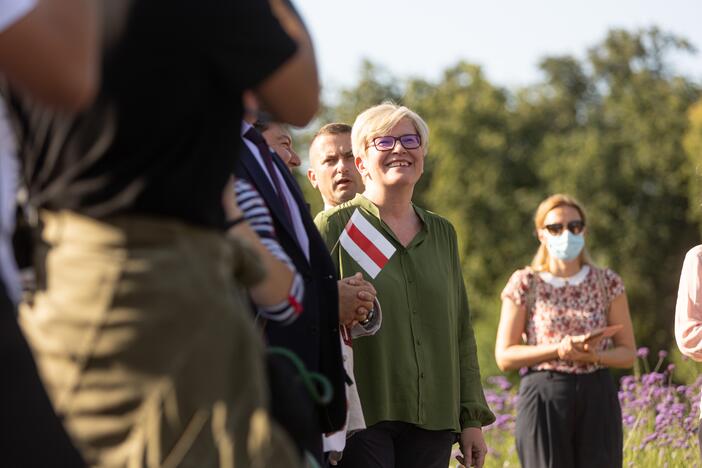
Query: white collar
x,y
245,126
559,281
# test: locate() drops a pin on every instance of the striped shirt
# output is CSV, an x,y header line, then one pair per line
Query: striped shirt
x,y
259,218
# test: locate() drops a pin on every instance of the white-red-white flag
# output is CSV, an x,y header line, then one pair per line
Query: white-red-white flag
x,y
365,244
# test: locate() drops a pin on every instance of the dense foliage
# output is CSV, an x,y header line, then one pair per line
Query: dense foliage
x,y
618,129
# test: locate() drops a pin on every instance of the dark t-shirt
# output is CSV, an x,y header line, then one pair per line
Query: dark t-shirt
x,y
162,136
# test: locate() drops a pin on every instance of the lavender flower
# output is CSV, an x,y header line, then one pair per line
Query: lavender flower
x,y
660,418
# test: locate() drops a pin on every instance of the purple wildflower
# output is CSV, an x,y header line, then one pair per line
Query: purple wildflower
x,y
658,416
501,382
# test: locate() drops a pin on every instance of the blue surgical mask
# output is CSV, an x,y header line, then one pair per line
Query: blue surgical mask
x,y
565,246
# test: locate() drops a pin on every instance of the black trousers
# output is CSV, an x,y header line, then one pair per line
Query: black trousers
x,y
569,421
390,444
30,433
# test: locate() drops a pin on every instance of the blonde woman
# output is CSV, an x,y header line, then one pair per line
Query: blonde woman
x,y
418,376
565,307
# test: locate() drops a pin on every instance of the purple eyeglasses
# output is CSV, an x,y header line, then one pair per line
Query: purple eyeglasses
x,y
388,142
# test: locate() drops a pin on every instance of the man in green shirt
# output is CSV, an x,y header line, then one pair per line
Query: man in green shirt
x,y
333,172
418,376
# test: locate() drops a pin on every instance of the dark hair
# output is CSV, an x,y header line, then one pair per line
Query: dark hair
x,y
262,125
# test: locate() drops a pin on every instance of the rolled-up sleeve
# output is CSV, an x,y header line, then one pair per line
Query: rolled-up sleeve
x,y
688,310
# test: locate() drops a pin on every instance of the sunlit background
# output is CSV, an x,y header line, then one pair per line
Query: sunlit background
x,y
507,38
601,100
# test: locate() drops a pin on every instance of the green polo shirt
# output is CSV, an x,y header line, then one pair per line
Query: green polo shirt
x,y
421,367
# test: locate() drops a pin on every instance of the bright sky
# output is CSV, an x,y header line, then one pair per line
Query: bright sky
x,y
506,37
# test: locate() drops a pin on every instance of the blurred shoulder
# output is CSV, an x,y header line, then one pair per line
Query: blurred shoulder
x,y
694,254
692,265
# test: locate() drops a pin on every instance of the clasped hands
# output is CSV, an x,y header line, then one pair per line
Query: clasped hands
x,y
579,348
356,297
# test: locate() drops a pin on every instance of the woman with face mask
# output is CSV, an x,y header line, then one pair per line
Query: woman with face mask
x,y
566,321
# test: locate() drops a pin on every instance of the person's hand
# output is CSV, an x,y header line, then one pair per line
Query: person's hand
x,y
356,298
575,348
592,344
473,447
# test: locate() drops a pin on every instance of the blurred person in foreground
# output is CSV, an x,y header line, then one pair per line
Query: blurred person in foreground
x,y
141,335
562,305
62,40
418,376
688,309
333,172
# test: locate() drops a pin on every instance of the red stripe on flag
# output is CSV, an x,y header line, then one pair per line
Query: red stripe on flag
x,y
366,245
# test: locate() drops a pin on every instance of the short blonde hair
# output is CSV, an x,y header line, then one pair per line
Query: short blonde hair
x,y
379,120
540,261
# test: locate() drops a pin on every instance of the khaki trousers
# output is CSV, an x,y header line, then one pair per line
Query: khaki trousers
x,y
146,346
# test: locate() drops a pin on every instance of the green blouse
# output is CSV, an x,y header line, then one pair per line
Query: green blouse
x,y
421,367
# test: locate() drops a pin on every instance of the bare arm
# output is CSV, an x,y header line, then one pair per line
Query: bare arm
x,y
623,353
52,52
510,353
291,93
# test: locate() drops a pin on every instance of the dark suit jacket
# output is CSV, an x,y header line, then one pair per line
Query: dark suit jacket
x,y
314,336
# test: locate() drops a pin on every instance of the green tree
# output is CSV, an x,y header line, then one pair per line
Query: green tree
x,y
623,158
693,147
608,129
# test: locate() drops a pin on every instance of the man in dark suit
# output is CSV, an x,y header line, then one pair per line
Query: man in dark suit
x,y
314,337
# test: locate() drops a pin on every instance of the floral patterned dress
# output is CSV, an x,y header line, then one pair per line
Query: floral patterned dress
x,y
564,306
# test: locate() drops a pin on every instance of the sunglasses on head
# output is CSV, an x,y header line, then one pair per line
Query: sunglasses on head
x,y
388,142
576,227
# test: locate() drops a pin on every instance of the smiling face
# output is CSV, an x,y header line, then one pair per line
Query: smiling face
x,y
332,169
396,167
278,138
